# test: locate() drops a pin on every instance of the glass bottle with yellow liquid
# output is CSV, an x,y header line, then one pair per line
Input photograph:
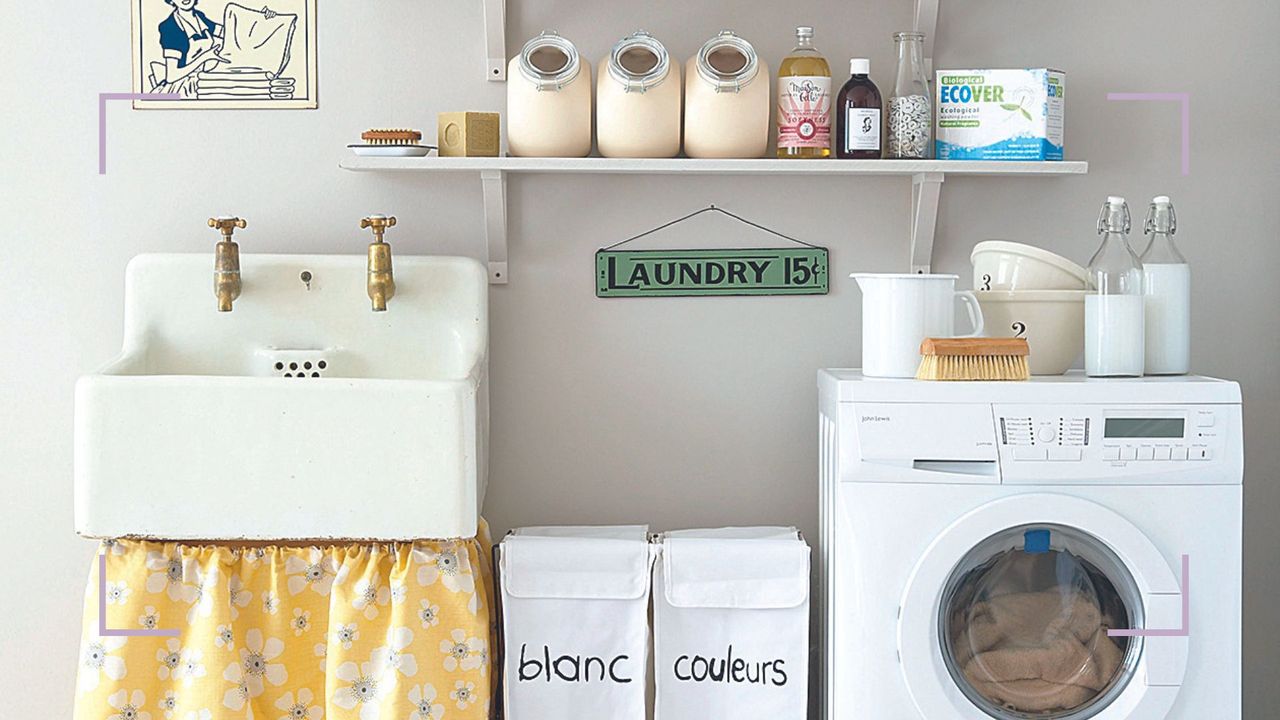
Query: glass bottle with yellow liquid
x,y
804,101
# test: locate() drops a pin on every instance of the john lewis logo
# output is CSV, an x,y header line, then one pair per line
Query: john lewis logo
x,y
875,418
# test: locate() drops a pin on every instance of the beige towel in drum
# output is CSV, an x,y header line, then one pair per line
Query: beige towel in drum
x,y
1037,651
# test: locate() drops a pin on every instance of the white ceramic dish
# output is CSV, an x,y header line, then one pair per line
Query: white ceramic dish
x,y
392,150
1003,265
1052,321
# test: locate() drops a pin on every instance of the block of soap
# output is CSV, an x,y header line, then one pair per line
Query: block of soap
x,y
468,134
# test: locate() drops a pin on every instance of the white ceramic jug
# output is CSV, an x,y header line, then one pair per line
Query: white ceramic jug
x,y
549,100
726,102
638,100
899,310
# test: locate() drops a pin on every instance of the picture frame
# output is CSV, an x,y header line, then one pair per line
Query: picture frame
x,y
224,54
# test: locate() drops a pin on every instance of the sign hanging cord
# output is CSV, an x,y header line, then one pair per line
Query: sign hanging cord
x,y
709,208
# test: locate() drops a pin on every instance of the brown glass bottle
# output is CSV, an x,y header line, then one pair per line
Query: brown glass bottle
x,y
859,116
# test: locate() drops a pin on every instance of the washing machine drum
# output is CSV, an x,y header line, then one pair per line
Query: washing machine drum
x,y
1024,620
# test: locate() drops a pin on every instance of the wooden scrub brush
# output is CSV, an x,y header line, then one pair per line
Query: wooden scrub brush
x,y
392,137
974,359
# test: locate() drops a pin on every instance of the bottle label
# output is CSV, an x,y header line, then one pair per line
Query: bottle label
x,y
804,117
862,128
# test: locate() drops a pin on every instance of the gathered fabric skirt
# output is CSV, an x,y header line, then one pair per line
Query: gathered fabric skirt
x,y
361,631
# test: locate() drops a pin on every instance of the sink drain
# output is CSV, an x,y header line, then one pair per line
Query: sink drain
x,y
298,363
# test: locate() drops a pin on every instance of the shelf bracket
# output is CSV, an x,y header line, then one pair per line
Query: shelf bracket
x,y
925,189
495,40
494,184
926,21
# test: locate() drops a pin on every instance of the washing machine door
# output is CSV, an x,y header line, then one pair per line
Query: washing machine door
x,y
1007,616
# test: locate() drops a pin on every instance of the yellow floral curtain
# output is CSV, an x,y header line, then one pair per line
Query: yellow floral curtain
x,y
361,631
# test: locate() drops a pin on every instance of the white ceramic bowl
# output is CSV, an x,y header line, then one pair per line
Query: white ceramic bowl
x,y
1002,265
1052,321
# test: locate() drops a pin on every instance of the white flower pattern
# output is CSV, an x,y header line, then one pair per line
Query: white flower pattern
x,y
301,621
254,666
202,593
190,668
97,660
369,595
169,658
128,705
372,647
429,614
117,593
366,686
167,577
224,637
169,704
299,706
317,572
346,634
150,618
425,707
237,595
463,693
393,655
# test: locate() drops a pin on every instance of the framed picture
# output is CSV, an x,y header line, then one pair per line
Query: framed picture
x,y
216,54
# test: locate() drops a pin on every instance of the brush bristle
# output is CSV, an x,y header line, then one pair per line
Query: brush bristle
x,y
973,367
391,136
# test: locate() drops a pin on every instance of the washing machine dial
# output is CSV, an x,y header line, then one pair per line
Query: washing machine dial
x,y
1046,434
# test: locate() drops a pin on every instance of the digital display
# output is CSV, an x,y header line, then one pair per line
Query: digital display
x,y
1143,427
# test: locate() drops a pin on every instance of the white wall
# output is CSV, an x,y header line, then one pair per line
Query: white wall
x,y
676,412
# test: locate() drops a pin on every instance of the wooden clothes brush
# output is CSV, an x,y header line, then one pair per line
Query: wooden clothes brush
x,y
391,137
974,359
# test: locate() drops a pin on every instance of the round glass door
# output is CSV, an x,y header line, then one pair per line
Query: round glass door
x,y
1024,619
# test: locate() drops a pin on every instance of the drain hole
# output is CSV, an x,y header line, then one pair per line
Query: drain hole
x,y
322,365
279,366
293,366
315,374
306,365
288,374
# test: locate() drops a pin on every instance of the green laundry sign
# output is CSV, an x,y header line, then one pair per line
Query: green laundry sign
x,y
675,273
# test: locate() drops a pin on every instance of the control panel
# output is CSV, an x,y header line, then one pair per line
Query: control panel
x,y
1062,442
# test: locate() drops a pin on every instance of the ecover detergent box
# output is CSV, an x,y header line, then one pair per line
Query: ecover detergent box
x,y
1000,114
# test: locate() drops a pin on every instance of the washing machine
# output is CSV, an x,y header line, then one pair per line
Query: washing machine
x,y
1028,549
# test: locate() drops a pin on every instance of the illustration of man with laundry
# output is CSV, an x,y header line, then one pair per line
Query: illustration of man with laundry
x,y
239,58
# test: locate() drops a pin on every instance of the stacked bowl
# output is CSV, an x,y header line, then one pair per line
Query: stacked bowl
x,y
1032,293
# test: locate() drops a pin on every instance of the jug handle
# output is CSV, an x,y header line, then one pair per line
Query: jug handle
x,y
975,312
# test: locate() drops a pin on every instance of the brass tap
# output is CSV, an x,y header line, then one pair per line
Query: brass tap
x,y
226,262
381,282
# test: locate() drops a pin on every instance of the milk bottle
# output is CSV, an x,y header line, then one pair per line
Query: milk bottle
x,y
1114,336
1167,284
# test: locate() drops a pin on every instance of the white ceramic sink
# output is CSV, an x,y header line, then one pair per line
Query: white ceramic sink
x,y
301,414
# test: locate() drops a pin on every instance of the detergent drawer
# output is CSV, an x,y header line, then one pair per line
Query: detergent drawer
x,y
920,442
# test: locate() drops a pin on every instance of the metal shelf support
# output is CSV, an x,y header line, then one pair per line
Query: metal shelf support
x,y
926,21
925,190
495,40
494,184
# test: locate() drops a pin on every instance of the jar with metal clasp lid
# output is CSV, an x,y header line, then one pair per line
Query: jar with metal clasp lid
x,y
638,100
549,99
726,100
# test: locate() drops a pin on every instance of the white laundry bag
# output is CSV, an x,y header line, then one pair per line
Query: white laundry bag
x,y
575,619
731,624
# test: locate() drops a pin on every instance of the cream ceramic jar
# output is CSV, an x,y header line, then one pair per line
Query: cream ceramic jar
x,y
726,101
638,100
549,100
